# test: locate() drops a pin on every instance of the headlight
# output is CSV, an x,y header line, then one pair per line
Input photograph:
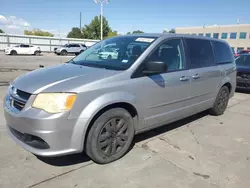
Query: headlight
x,y
54,102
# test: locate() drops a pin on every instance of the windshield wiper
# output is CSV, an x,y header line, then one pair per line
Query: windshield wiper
x,y
92,65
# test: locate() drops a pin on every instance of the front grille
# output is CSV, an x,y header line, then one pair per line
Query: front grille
x,y
18,105
18,99
23,95
243,75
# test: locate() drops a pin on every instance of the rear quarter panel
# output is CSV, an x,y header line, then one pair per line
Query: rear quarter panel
x,y
228,73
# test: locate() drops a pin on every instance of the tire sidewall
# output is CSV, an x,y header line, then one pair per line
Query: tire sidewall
x,y
92,148
37,53
63,52
13,52
218,110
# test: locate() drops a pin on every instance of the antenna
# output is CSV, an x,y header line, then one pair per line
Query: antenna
x,y
80,21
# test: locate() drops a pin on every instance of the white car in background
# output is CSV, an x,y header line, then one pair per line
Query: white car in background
x,y
23,49
70,49
108,53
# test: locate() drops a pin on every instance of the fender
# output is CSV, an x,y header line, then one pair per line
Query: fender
x,y
227,78
223,82
104,100
92,109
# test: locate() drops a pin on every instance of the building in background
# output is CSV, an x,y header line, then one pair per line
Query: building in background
x,y
238,36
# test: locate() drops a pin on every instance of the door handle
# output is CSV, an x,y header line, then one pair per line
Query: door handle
x,y
196,76
184,78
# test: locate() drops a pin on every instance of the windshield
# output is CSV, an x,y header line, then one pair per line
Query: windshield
x,y
243,60
117,53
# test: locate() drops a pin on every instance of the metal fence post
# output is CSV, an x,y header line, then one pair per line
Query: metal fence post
x,y
50,45
8,40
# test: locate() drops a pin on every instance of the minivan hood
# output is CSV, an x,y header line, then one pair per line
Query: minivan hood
x,y
59,78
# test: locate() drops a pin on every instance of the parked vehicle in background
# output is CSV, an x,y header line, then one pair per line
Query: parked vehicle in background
x,y
97,105
243,71
70,49
108,52
242,52
23,49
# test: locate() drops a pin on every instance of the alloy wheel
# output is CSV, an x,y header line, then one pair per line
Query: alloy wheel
x,y
113,136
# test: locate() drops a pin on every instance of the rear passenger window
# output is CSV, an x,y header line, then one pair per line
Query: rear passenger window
x,y
199,53
222,52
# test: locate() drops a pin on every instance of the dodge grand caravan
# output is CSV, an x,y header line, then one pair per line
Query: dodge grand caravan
x,y
97,105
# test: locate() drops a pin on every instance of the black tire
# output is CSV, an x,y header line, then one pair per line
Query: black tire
x,y
221,102
37,53
110,136
109,57
64,52
13,52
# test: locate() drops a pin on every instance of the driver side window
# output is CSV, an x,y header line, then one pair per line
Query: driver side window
x,y
171,53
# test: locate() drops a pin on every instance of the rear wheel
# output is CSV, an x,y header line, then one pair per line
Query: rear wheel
x,y
37,53
64,52
13,52
109,57
221,101
110,136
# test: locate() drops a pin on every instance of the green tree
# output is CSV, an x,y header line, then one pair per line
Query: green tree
x,y
137,31
1,31
112,33
38,32
75,33
172,31
134,32
93,30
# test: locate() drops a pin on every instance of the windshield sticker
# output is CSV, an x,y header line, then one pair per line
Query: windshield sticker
x,y
124,61
145,40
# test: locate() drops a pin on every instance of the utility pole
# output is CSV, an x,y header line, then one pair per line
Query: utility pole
x,y
80,21
102,2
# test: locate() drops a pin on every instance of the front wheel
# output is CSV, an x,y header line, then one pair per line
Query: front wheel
x,y
64,52
110,136
221,102
13,52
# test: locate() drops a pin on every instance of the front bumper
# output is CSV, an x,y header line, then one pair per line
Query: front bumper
x,y
7,52
45,134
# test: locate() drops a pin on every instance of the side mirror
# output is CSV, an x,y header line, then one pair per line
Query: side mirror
x,y
155,67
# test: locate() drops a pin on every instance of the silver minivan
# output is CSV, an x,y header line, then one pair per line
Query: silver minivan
x,y
97,105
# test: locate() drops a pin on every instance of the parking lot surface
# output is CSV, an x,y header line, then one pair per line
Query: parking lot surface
x,y
201,151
